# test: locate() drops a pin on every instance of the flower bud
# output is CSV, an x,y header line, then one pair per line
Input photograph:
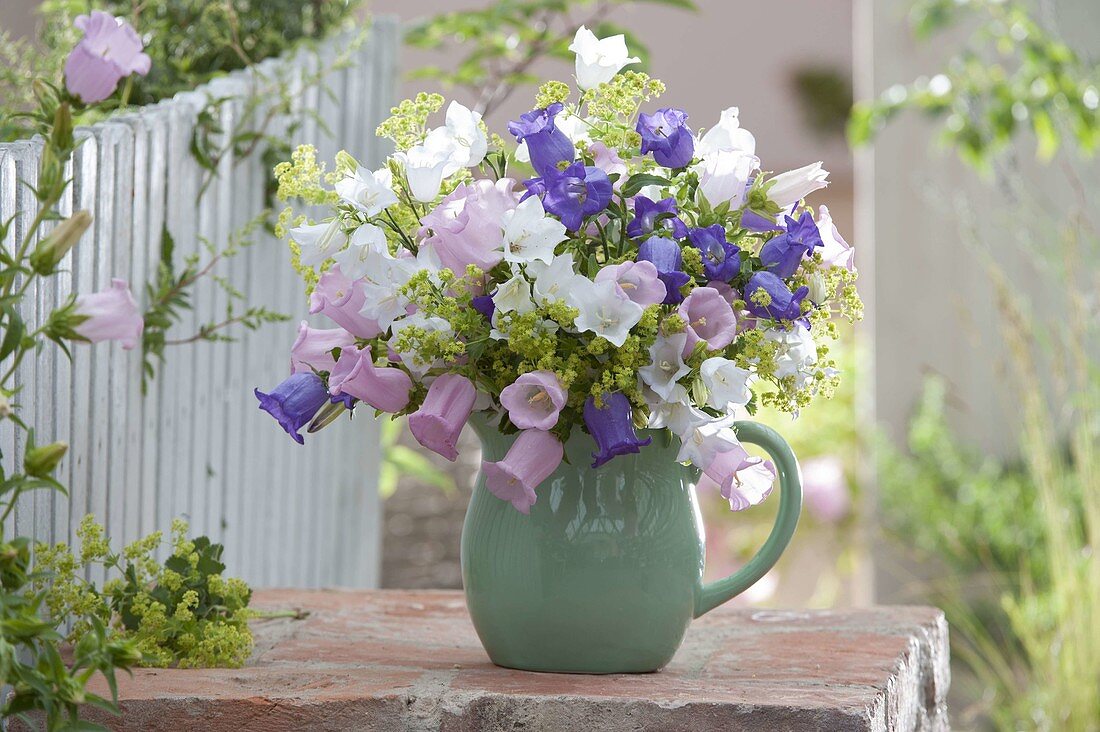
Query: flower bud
x,y
818,291
40,462
53,248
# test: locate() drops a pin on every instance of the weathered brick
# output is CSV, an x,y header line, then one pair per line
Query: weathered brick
x,y
409,660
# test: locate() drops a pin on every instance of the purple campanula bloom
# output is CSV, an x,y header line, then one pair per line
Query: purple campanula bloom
x,y
753,221
356,377
341,299
783,254
707,317
110,51
534,400
665,133
294,402
573,193
484,304
782,305
612,427
720,258
645,217
546,144
440,419
668,258
531,459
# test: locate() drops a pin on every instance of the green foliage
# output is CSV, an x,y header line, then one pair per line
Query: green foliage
x,y
180,613
502,42
399,460
1014,74
169,297
825,98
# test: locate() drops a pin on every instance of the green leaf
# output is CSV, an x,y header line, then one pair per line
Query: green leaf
x,y
638,181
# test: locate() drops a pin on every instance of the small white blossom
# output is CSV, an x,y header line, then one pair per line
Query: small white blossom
x,y
605,311
703,441
530,234
726,136
514,296
558,281
424,166
355,261
463,136
599,59
787,189
319,242
370,192
797,353
727,383
724,175
666,365
382,287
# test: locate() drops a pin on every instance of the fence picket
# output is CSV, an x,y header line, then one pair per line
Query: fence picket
x,y
196,445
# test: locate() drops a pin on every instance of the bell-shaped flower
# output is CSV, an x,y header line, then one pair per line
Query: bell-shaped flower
x,y
782,255
370,192
558,282
767,296
312,350
440,419
599,59
424,165
787,189
319,242
530,234
341,299
797,352
608,161
574,193
721,260
704,438
385,389
707,317
514,296
742,479
383,301
411,359
835,252
655,217
605,311
534,400
484,304
666,365
665,134
294,402
531,459
110,51
637,281
466,226
462,133
355,260
668,258
546,144
759,223
110,315
724,176
612,427
727,383
727,136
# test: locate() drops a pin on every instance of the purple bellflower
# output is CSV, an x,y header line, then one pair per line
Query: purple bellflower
x,y
666,256
645,218
612,427
665,134
546,144
782,303
783,254
294,402
720,258
573,193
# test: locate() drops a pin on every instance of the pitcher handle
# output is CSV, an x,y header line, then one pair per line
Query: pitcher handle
x,y
790,506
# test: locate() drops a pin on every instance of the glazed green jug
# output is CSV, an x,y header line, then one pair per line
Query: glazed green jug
x,y
606,572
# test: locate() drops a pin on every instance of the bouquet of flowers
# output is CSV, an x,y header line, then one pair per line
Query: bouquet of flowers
x,y
615,270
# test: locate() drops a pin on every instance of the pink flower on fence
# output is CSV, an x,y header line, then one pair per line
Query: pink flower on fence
x,y
111,315
110,51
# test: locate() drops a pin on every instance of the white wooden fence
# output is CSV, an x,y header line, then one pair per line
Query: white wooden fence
x,y
196,445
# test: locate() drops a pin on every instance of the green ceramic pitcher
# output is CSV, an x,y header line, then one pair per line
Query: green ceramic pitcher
x,y
606,572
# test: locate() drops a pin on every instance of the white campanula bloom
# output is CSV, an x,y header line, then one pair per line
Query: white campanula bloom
x,y
431,324
424,165
787,189
463,135
599,59
705,439
798,352
666,365
726,136
514,296
319,242
605,311
727,383
558,281
382,287
529,234
370,192
355,261
836,252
